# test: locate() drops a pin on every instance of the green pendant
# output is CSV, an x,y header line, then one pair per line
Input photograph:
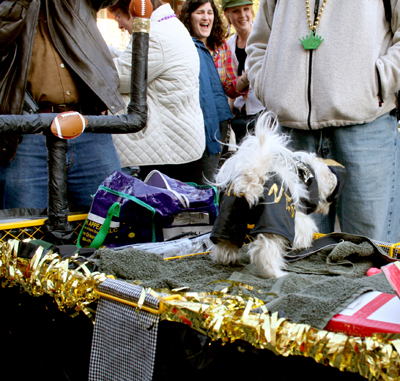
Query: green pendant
x,y
312,41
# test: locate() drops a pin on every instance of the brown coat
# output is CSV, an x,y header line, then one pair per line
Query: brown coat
x,y
74,33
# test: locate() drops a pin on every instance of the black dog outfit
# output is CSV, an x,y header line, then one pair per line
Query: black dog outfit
x,y
274,213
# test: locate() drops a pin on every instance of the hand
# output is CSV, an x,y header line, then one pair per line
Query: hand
x,y
245,78
242,82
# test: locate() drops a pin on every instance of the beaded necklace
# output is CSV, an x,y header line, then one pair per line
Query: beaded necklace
x,y
313,40
167,17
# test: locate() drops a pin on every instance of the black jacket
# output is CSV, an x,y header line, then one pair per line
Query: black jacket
x,y
74,33
274,214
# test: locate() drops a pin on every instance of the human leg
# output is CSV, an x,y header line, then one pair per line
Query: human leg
x,y
370,202
319,142
24,179
242,125
90,159
239,127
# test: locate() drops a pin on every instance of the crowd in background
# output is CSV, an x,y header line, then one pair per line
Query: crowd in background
x,y
212,70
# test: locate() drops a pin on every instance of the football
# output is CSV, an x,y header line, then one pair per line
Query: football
x,y
68,125
141,8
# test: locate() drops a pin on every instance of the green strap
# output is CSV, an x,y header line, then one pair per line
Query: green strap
x,y
139,202
101,235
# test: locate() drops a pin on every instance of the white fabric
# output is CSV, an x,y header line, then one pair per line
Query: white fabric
x,y
175,129
253,105
338,83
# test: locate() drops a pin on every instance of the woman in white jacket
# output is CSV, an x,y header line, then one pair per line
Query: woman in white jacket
x,y
175,129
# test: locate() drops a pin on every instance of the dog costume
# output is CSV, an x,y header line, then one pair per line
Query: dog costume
x,y
269,194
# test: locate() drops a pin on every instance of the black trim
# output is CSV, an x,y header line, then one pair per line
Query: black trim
x,y
309,89
388,10
316,9
379,90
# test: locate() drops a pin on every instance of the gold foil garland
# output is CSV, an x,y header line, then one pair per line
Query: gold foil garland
x,y
50,274
225,319
218,315
140,25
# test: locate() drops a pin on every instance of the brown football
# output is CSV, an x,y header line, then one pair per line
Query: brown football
x,y
68,125
141,8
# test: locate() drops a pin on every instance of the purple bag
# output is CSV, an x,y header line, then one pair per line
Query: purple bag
x,y
126,210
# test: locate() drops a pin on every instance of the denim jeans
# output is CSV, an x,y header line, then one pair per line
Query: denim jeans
x,y
242,124
370,202
90,159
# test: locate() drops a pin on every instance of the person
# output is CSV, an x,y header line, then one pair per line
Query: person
x,y
332,80
239,14
174,134
204,24
54,50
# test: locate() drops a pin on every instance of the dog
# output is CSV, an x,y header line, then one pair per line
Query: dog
x,y
269,194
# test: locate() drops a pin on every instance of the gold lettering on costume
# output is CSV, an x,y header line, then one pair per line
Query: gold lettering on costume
x,y
248,239
290,207
230,189
274,190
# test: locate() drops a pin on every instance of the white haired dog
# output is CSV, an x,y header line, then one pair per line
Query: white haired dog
x,y
269,192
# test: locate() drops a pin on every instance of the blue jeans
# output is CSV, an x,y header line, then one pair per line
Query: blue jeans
x,y
90,159
370,202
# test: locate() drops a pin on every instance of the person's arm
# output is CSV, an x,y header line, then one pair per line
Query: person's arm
x,y
156,57
227,71
123,64
115,52
12,20
155,64
257,42
243,82
388,66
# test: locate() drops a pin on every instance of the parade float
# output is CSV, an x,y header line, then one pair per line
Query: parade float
x,y
163,309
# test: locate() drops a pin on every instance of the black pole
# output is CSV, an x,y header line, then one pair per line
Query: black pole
x,y
57,225
57,228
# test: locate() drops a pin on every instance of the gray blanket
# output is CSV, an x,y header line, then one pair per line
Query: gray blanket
x,y
314,290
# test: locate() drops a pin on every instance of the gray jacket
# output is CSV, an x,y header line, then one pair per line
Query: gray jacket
x,y
351,78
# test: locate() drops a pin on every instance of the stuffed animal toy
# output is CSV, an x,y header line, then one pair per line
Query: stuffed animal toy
x,y
269,194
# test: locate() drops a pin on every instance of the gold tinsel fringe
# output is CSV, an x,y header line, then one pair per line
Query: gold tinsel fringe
x,y
51,275
225,317
219,315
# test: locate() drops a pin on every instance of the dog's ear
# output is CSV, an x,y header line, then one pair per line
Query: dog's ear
x,y
331,177
341,175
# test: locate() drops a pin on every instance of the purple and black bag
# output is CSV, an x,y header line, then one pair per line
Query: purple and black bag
x,y
126,210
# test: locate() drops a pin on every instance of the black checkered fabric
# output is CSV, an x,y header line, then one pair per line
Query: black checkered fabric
x,y
124,339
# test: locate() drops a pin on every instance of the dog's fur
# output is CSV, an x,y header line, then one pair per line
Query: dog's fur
x,y
260,156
